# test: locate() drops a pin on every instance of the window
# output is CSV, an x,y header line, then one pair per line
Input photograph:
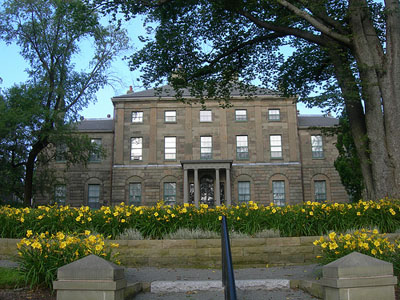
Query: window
x,y
170,147
320,190
135,193
316,146
94,195
61,151
278,190
242,148
137,117
95,156
240,115
205,116
170,116
136,148
60,194
169,193
276,146
244,191
205,147
274,115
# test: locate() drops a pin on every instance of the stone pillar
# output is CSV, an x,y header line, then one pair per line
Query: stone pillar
x,y
228,187
358,276
185,186
196,188
217,193
90,278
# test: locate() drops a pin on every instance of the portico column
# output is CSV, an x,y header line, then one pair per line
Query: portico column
x,y
228,187
196,188
185,186
217,193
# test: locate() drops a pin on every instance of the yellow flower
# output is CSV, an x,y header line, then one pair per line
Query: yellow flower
x,y
114,245
36,245
324,245
377,244
115,214
392,211
172,216
99,247
87,232
123,221
220,218
156,214
89,219
273,210
63,245
22,220
311,213
332,235
28,233
373,252
60,235
78,218
40,217
238,218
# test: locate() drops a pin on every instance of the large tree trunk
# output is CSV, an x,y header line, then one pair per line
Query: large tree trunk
x,y
355,112
371,61
30,168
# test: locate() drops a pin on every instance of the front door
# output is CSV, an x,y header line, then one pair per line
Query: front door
x,y
207,190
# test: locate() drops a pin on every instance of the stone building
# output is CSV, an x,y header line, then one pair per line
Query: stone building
x,y
159,148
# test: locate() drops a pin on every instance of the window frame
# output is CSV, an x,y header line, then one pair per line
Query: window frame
x,y
95,157
272,146
165,195
240,119
165,148
206,155
318,199
317,154
166,117
272,116
202,116
94,204
60,153
57,194
133,196
279,201
141,149
247,196
238,156
140,119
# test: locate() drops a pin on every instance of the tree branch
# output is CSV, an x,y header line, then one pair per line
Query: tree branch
x,y
284,30
318,25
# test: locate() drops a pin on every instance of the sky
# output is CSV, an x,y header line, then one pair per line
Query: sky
x,y
12,71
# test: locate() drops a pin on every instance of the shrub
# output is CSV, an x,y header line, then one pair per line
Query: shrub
x,y
40,255
369,242
308,219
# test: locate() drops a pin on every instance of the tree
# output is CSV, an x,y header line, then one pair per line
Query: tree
x,y
42,111
350,48
348,163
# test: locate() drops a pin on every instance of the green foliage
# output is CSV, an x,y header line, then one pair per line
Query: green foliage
x,y
348,162
11,278
158,221
41,255
42,112
368,242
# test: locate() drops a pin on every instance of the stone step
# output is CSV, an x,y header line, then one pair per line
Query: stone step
x,y
181,286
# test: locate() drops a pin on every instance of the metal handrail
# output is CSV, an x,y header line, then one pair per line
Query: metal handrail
x,y
228,278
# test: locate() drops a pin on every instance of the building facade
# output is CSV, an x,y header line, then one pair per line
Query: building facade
x,y
159,148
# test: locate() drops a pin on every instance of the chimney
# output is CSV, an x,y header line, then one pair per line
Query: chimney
x,y
130,91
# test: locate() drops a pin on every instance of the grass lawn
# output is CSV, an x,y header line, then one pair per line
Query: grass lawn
x,y
10,278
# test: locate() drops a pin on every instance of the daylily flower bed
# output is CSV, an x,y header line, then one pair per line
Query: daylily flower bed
x,y
310,219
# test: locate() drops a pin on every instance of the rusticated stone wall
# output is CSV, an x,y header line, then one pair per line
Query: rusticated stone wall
x,y
206,253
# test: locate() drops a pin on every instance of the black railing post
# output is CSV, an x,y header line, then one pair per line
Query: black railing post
x,y
228,278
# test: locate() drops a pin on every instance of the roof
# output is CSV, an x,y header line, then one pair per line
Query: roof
x,y
317,121
168,91
96,125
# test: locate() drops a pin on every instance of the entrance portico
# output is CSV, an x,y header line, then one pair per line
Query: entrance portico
x,y
206,165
